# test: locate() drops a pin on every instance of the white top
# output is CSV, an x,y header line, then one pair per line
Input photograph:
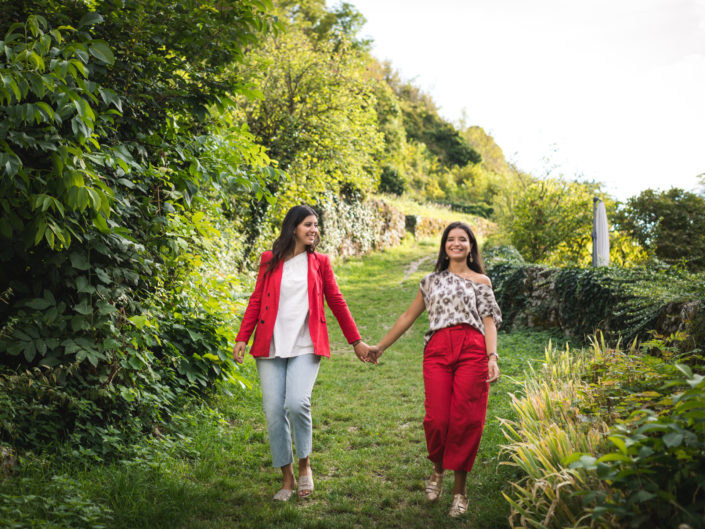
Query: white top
x,y
291,334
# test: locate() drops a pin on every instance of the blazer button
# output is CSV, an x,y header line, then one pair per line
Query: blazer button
x,y
261,321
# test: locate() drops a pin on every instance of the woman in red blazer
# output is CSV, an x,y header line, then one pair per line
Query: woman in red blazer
x,y
286,307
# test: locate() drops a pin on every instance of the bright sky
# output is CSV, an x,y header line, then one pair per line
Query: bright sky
x,y
606,90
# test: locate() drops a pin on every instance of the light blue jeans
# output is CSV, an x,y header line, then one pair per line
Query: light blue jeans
x,y
287,384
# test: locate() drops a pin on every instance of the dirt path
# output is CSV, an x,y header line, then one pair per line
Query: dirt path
x,y
414,266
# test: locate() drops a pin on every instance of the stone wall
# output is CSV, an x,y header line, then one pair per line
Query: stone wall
x,y
530,297
357,228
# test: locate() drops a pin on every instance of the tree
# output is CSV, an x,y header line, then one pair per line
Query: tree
x,y
317,119
671,224
552,216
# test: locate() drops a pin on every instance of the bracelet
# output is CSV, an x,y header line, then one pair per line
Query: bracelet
x,y
355,342
495,355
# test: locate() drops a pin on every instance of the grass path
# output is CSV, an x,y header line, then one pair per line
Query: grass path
x,y
369,458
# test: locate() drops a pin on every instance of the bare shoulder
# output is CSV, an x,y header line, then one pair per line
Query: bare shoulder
x,y
482,279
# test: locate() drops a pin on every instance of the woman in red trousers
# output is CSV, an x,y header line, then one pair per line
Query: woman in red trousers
x,y
287,309
460,357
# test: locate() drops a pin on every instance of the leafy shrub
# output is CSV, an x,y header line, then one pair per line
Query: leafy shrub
x,y
656,469
60,504
391,182
671,224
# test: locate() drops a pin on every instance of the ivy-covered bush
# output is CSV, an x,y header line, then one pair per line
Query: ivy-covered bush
x,y
625,303
114,166
353,227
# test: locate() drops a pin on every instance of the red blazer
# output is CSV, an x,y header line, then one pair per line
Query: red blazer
x,y
264,302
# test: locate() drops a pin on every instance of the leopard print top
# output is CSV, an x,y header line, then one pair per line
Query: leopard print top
x,y
452,300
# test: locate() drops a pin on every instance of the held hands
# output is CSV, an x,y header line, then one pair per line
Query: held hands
x,y
374,354
367,353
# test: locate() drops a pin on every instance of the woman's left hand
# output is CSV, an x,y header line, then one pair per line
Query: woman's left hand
x,y
493,369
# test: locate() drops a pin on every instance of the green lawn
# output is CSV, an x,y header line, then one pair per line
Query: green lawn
x,y
369,461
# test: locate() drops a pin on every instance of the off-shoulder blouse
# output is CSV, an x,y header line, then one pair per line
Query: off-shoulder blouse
x,y
451,300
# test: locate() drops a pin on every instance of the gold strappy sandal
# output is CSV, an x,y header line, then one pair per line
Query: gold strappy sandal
x,y
459,505
434,486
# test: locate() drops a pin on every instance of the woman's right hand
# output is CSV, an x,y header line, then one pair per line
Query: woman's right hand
x,y
239,352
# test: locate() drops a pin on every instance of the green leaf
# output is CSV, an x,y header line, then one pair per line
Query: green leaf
x,y
101,51
90,19
103,275
38,303
614,456
685,370
643,495
100,223
49,236
619,443
110,98
673,439
83,286
30,351
84,110
83,307
139,321
106,308
79,261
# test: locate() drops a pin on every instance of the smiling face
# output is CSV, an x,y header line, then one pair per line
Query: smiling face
x,y
458,245
306,232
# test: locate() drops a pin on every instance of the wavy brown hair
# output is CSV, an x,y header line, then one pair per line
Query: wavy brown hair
x,y
285,243
474,258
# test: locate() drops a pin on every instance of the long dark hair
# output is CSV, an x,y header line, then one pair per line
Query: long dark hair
x,y
285,243
474,258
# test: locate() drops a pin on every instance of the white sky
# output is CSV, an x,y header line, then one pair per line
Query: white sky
x,y
606,90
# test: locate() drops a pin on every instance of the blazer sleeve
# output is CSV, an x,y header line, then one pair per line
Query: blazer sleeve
x,y
336,302
249,320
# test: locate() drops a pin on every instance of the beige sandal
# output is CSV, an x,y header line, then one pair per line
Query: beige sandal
x,y
434,486
283,495
305,486
459,505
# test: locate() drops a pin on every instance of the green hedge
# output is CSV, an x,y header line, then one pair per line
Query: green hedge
x,y
624,303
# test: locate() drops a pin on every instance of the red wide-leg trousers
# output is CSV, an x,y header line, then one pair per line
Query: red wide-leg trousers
x,y
455,380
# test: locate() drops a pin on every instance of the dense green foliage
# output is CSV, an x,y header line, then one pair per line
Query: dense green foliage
x,y
148,150
670,224
103,159
654,466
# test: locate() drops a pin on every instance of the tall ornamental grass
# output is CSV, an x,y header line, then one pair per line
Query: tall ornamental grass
x,y
548,428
